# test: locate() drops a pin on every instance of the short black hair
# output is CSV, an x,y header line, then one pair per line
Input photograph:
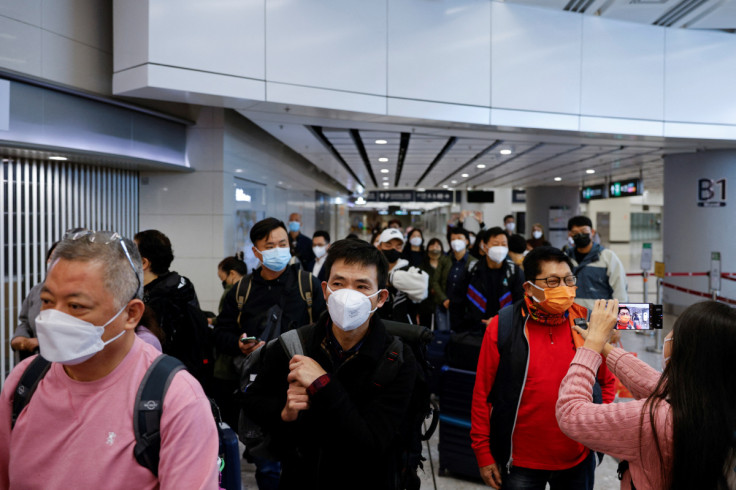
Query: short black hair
x,y
233,264
579,221
358,252
395,220
263,229
437,241
459,231
507,217
323,234
156,247
622,308
491,232
351,236
533,260
517,244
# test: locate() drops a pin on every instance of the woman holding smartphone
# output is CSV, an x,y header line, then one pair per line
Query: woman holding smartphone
x,y
679,432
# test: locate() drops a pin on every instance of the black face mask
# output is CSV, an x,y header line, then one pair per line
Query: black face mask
x,y
391,255
224,284
581,240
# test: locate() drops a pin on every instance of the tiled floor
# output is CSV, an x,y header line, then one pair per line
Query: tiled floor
x,y
630,255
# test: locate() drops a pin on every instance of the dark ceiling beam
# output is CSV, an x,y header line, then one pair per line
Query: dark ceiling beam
x,y
355,134
477,157
320,135
507,161
403,147
450,143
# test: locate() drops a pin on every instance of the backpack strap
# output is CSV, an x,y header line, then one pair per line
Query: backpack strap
x,y
27,385
305,290
388,367
242,299
148,408
505,323
292,343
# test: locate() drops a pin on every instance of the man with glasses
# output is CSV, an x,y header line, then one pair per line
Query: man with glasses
x,y
527,350
76,431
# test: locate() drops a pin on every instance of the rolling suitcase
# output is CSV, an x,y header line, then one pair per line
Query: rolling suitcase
x,y
230,477
456,394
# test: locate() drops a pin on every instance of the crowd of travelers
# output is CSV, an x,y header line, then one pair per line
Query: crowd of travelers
x,y
302,359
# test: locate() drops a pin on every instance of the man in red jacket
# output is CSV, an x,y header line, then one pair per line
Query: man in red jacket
x,y
525,354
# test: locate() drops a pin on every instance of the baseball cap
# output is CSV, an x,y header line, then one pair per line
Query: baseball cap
x,y
390,234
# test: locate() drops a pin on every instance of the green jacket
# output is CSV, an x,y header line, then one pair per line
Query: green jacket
x,y
438,281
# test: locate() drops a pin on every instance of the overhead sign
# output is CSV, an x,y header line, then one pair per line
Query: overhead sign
x,y
711,193
518,196
592,192
625,188
440,195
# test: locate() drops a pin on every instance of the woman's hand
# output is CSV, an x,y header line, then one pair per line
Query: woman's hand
x,y
602,320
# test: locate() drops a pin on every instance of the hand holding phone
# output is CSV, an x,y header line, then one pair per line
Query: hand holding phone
x,y
248,340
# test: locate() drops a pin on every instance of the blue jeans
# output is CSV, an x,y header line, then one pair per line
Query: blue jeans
x,y
268,473
578,477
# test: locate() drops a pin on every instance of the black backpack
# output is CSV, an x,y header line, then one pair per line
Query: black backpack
x,y
146,412
421,406
189,337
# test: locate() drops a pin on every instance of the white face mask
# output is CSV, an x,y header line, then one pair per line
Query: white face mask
x,y
537,234
471,240
511,227
458,245
497,254
349,308
416,241
319,251
70,340
570,241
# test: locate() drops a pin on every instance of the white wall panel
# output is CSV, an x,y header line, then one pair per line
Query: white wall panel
x,y
623,70
130,21
329,99
439,112
20,47
535,59
28,11
440,51
91,69
530,119
621,126
332,44
700,68
86,21
219,36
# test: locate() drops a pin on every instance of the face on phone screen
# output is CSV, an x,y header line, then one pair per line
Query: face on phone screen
x,y
633,316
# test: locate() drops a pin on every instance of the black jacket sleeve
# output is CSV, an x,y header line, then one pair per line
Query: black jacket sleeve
x,y
227,330
318,299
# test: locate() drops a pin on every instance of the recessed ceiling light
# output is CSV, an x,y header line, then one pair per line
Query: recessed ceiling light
x,y
445,186
381,142
385,178
240,170
590,171
464,175
453,182
421,189
480,165
386,184
505,151
58,158
384,170
557,179
383,159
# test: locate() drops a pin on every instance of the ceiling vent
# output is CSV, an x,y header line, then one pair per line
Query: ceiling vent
x,y
579,6
679,12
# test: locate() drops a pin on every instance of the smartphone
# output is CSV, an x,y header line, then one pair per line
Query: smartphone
x,y
639,316
248,340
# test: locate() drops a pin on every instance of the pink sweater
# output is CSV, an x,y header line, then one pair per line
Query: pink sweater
x,y
80,434
617,428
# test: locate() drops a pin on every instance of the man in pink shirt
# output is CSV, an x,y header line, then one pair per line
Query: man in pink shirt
x,y
525,354
77,429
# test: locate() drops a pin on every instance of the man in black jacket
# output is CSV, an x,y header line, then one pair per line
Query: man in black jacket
x,y
330,424
270,301
174,302
492,283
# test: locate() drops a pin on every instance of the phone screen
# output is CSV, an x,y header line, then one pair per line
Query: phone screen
x,y
633,316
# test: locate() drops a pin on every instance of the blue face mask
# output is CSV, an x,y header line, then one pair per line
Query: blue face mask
x,y
276,259
294,226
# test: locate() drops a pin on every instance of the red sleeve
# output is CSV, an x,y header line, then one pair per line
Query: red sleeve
x,y
607,381
480,416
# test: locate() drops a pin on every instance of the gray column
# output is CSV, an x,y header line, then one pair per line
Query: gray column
x,y
699,217
545,202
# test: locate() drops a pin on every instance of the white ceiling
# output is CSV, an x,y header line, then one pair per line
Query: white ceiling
x,y
692,14
536,158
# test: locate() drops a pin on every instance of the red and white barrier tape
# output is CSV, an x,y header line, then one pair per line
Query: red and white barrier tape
x,y
697,293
